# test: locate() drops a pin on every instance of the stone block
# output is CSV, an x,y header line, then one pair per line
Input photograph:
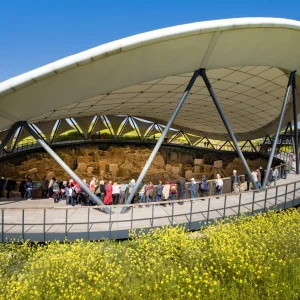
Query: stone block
x,y
175,170
102,165
188,175
198,161
197,169
168,168
218,164
82,167
50,175
32,171
90,170
113,168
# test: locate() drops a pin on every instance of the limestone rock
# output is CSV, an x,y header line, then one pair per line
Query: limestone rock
x,y
198,161
82,167
168,168
50,175
197,169
175,170
90,170
218,164
188,175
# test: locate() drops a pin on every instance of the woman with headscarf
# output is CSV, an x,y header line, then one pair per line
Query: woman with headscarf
x,y
108,193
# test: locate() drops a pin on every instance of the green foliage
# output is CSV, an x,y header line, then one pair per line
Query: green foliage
x,y
246,258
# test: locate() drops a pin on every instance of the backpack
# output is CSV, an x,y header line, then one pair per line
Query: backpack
x,y
74,194
173,189
204,185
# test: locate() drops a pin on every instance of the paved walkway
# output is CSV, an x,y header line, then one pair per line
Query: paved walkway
x,y
44,220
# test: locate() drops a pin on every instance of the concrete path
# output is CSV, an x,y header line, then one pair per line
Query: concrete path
x,y
43,220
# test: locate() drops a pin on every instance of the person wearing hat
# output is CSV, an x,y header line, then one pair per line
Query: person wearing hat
x,y
192,188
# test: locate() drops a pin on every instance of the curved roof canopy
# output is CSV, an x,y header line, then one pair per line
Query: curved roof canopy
x,y
248,62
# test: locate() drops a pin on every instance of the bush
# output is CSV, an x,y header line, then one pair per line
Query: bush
x,y
246,258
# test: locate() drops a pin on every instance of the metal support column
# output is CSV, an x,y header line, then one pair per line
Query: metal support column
x,y
227,126
93,127
63,165
55,131
9,134
134,125
125,123
285,101
295,108
76,127
17,139
161,139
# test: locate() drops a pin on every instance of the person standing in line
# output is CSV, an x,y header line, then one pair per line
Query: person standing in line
x,y
159,190
234,181
123,189
22,188
203,187
10,185
71,193
93,184
141,193
115,193
2,182
286,169
181,190
219,185
255,177
130,189
258,178
29,187
56,191
262,175
173,191
247,179
166,191
193,188
275,175
149,193
45,184
50,188
108,193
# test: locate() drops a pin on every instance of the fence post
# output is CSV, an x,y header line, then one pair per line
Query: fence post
x,y
286,188
131,217
88,224
294,194
23,217
253,198
152,215
225,200
208,211
2,226
191,213
66,226
44,226
109,224
172,213
276,195
265,203
239,208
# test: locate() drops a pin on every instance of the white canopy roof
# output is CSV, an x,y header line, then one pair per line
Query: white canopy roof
x,y
248,62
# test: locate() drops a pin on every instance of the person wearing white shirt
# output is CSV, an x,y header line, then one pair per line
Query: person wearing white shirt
x,y
219,185
115,193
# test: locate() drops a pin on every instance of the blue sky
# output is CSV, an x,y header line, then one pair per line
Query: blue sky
x,y
37,32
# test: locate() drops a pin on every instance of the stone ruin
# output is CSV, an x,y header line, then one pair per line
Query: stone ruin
x,y
121,163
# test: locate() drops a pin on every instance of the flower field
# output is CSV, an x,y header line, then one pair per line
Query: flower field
x,y
245,258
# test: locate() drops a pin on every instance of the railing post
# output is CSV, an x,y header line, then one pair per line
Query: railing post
x,y
152,215
239,208
131,217
208,211
225,200
2,226
66,225
109,224
23,224
191,213
276,195
44,226
253,200
172,218
286,188
88,224
294,194
265,202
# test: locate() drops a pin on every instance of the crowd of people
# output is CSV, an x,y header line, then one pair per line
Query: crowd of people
x,y
113,193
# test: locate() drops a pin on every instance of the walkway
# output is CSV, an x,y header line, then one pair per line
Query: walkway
x,y
43,220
